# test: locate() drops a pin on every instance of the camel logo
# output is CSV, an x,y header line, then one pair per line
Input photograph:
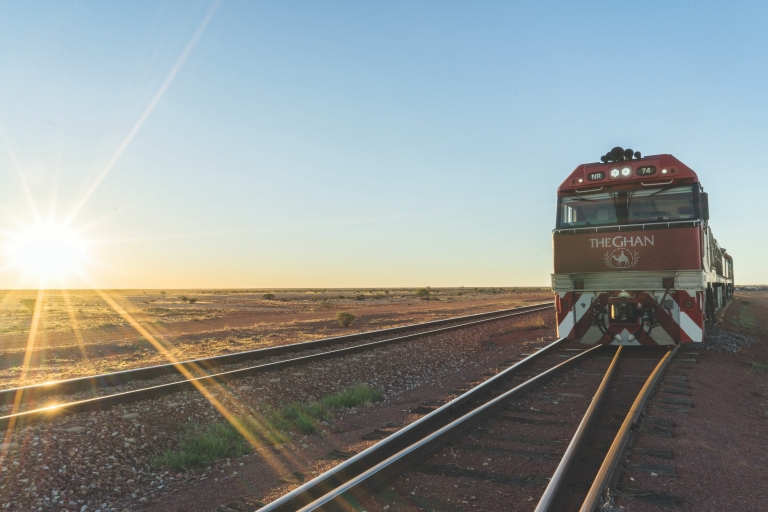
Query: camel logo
x,y
621,259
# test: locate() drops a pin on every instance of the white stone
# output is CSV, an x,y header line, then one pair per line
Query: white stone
x,y
130,415
73,429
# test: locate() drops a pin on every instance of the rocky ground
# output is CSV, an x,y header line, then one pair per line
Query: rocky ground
x,y
81,333
104,461
717,430
726,342
107,460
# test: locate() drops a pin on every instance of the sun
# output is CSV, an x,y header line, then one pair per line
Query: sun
x,y
47,250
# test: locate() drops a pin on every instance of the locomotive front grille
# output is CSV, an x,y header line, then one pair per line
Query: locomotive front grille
x,y
628,280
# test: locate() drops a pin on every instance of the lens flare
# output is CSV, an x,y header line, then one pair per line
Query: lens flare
x,y
46,250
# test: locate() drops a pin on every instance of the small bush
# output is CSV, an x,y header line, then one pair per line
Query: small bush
x,y
533,323
184,298
360,297
379,296
344,318
191,300
423,292
218,441
352,397
29,304
269,296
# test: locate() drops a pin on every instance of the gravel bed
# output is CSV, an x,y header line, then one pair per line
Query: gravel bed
x,y
725,342
461,474
165,379
102,460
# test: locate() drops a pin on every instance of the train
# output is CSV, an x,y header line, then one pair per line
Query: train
x,y
635,260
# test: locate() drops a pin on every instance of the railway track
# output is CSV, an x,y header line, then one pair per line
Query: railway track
x,y
530,434
197,372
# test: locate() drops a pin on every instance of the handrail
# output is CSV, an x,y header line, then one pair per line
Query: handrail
x,y
656,183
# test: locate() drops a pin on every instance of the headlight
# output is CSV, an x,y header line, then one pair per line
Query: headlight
x,y
615,173
626,171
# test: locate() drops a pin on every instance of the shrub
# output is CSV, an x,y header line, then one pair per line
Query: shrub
x,y
269,296
533,322
360,297
184,298
379,296
345,319
199,450
191,300
29,304
423,293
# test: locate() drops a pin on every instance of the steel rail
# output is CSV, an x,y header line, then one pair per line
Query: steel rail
x,y
9,396
551,494
613,458
390,468
414,433
101,402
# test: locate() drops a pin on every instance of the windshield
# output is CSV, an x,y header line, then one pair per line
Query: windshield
x,y
633,206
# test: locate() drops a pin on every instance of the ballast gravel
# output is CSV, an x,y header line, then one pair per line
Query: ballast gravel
x,y
103,460
725,342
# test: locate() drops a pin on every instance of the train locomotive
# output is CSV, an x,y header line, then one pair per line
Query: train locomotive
x,y
635,261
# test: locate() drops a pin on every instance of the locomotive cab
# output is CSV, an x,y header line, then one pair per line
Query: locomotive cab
x,y
634,256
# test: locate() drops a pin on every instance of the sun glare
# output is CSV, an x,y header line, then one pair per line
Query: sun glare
x,y
46,251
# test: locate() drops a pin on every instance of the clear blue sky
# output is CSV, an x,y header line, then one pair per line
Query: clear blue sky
x,y
365,144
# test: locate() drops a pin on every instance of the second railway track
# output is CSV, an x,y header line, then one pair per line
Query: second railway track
x,y
198,373
544,434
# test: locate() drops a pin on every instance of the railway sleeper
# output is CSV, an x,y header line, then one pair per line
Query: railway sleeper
x,y
452,471
661,499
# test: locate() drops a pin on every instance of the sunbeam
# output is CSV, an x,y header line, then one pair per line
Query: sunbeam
x,y
147,111
75,323
160,346
31,339
20,173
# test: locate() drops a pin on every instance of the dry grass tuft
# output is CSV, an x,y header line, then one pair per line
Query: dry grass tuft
x,y
533,322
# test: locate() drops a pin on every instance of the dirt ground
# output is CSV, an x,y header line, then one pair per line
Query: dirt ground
x,y
108,460
719,442
82,333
